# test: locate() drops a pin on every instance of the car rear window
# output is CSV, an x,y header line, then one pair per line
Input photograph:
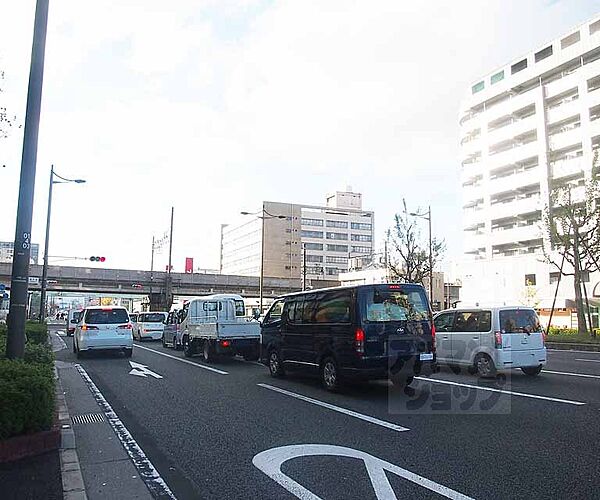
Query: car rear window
x,y
519,321
152,318
395,303
106,316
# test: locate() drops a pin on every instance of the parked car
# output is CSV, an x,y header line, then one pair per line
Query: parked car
x,y
172,330
73,317
149,325
357,332
486,340
103,328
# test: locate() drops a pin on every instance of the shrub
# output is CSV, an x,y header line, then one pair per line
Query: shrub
x,y
26,396
555,330
36,353
36,333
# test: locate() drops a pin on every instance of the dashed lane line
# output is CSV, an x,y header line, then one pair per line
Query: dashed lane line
x,y
339,409
197,365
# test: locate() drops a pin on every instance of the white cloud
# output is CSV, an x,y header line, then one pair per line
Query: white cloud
x,y
214,106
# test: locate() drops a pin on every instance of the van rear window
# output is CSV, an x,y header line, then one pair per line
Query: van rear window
x,y
385,305
106,316
152,318
519,321
77,315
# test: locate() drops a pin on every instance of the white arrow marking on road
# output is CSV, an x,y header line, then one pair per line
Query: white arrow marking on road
x,y
270,462
140,370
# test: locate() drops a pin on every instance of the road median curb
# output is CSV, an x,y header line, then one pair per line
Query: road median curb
x,y
573,346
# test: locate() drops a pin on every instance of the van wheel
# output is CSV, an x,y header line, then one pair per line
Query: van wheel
x,y
208,353
128,352
164,341
330,375
275,364
74,347
484,366
532,371
188,348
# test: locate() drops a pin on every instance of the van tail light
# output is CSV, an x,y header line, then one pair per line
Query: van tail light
x,y
359,341
498,340
544,337
225,343
85,328
432,337
127,326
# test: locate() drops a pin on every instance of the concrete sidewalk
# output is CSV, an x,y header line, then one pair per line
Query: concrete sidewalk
x,y
107,470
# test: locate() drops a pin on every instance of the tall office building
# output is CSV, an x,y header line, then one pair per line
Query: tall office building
x,y
329,235
7,251
526,127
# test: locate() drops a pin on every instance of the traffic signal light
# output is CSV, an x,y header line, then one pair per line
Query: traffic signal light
x,y
97,259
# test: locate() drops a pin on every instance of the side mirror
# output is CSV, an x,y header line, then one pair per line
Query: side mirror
x,y
74,321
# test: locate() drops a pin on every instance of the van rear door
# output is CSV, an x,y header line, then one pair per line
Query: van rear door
x,y
521,329
396,318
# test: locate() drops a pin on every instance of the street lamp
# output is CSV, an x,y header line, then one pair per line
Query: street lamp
x,y
427,216
62,180
265,215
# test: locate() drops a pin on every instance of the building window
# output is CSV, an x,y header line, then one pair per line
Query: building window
x,y
337,236
313,246
311,234
554,277
335,260
478,87
337,248
529,279
312,222
497,77
314,258
337,223
361,237
359,249
572,39
542,54
520,66
333,271
361,226
594,27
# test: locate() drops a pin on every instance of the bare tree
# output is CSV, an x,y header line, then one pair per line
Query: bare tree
x,y
7,121
572,224
409,253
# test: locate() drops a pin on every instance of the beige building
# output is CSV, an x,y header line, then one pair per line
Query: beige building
x,y
317,239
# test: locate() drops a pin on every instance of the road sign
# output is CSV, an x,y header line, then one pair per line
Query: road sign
x,y
140,370
2,287
34,280
270,462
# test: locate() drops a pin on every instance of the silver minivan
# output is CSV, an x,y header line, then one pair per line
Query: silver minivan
x,y
486,340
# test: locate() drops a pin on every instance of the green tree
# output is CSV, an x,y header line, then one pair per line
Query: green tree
x,y
571,221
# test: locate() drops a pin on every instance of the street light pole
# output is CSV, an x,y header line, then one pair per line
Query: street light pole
x,y
427,216
15,339
42,314
63,180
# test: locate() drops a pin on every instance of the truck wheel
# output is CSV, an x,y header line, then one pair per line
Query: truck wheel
x,y
188,347
208,352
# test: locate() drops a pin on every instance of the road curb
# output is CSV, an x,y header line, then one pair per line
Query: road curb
x,y
572,346
70,469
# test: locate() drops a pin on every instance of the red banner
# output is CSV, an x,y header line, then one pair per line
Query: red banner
x,y
189,265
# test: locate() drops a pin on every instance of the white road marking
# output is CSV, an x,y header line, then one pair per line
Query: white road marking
x,y
61,344
270,462
582,375
148,473
339,409
142,370
209,368
502,391
588,360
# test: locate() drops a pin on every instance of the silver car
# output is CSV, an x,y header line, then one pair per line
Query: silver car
x,y
486,340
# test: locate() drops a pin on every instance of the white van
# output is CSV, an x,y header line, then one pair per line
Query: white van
x,y
103,328
149,325
486,340
73,317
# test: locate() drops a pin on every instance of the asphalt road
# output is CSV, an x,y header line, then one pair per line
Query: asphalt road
x,y
202,430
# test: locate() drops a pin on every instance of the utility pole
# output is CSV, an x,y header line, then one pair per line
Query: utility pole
x,y
46,241
430,259
15,341
169,291
151,274
303,266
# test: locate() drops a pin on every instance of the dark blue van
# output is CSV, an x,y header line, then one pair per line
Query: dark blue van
x,y
356,332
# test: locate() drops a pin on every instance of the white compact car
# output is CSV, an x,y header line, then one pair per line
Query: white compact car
x,y
150,325
489,339
103,328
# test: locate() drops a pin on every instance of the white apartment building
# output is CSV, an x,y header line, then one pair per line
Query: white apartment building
x,y
329,235
525,127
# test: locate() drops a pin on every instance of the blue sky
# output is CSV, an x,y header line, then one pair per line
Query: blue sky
x,y
215,106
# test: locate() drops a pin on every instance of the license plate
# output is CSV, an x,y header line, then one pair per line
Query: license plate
x,y
426,356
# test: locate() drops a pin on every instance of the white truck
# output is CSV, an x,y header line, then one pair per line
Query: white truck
x,y
217,325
